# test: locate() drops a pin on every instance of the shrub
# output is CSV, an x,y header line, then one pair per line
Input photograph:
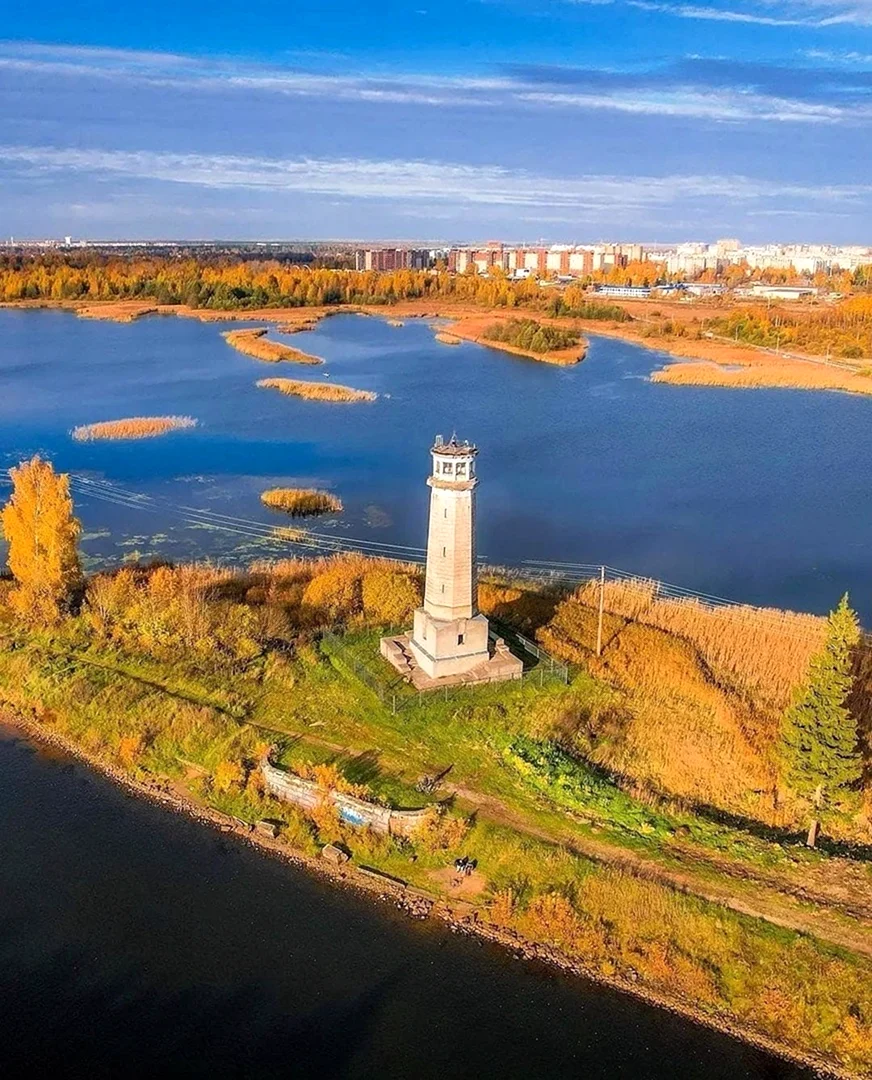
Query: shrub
x,y
336,592
389,597
227,774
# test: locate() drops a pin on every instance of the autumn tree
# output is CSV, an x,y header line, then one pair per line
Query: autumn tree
x,y
41,531
820,754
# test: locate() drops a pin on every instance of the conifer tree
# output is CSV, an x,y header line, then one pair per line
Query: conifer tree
x,y
820,754
41,531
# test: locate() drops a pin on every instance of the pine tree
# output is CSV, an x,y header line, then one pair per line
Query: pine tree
x,y
819,746
41,531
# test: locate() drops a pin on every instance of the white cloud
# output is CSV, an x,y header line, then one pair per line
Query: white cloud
x,y
416,181
437,91
813,14
689,102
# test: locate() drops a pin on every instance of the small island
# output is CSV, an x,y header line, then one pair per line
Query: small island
x,y
316,391
133,427
255,343
301,502
536,339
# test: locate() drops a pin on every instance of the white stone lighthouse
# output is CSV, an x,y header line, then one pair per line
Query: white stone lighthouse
x,y
450,641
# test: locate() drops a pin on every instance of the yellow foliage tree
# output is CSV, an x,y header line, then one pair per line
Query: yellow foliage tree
x,y
41,531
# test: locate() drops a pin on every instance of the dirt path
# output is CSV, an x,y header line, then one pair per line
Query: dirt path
x,y
743,893
835,914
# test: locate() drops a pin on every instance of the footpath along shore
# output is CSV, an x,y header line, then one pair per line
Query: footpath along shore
x,y
458,916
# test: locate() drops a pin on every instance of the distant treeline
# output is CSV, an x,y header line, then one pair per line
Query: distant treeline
x,y
842,330
234,285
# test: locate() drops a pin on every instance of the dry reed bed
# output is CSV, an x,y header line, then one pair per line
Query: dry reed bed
x,y
301,502
776,374
254,343
700,690
316,391
134,427
763,652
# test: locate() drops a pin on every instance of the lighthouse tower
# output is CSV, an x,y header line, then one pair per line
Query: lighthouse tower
x,y
450,641
449,636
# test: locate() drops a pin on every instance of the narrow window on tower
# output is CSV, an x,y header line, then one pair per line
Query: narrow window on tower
x,y
446,511
444,552
443,588
460,639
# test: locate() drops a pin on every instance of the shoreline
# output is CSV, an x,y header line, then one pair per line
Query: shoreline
x,y
294,320
705,361
458,915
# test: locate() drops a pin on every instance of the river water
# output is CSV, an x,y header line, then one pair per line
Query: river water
x,y
759,495
137,943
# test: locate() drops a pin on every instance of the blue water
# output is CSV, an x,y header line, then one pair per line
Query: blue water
x,y
759,495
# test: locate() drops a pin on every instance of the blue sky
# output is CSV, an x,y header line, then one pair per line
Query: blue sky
x,y
573,120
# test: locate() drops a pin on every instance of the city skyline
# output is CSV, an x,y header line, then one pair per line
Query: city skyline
x,y
609,118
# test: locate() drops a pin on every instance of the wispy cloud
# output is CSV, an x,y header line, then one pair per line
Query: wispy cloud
x,y
691,103
707,90
435,182
810,14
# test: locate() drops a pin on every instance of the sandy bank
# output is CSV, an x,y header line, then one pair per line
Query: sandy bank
x,y
461,916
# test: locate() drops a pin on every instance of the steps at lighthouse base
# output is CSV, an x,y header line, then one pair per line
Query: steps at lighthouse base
x,y
500,666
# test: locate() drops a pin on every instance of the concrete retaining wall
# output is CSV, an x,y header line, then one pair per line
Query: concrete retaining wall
x,y
306,794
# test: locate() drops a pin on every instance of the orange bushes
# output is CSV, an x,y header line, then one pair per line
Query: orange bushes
x,y
134,427
389,597
341,588
162,609
441,832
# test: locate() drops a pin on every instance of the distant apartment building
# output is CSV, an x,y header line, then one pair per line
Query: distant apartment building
x,y
384,259
562,261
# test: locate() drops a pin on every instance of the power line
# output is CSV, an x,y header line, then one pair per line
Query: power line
x,y
312,540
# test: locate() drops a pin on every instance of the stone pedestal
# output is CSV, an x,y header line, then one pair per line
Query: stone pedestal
x,y
447,647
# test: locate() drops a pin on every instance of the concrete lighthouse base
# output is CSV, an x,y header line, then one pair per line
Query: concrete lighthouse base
x,y
492,663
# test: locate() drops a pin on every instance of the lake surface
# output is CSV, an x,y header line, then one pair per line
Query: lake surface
x,y
761,495
137,943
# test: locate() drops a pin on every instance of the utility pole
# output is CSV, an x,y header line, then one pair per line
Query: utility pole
x,y
602,603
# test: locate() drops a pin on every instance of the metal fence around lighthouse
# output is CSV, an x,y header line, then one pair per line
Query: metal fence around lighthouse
x,y
358,655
